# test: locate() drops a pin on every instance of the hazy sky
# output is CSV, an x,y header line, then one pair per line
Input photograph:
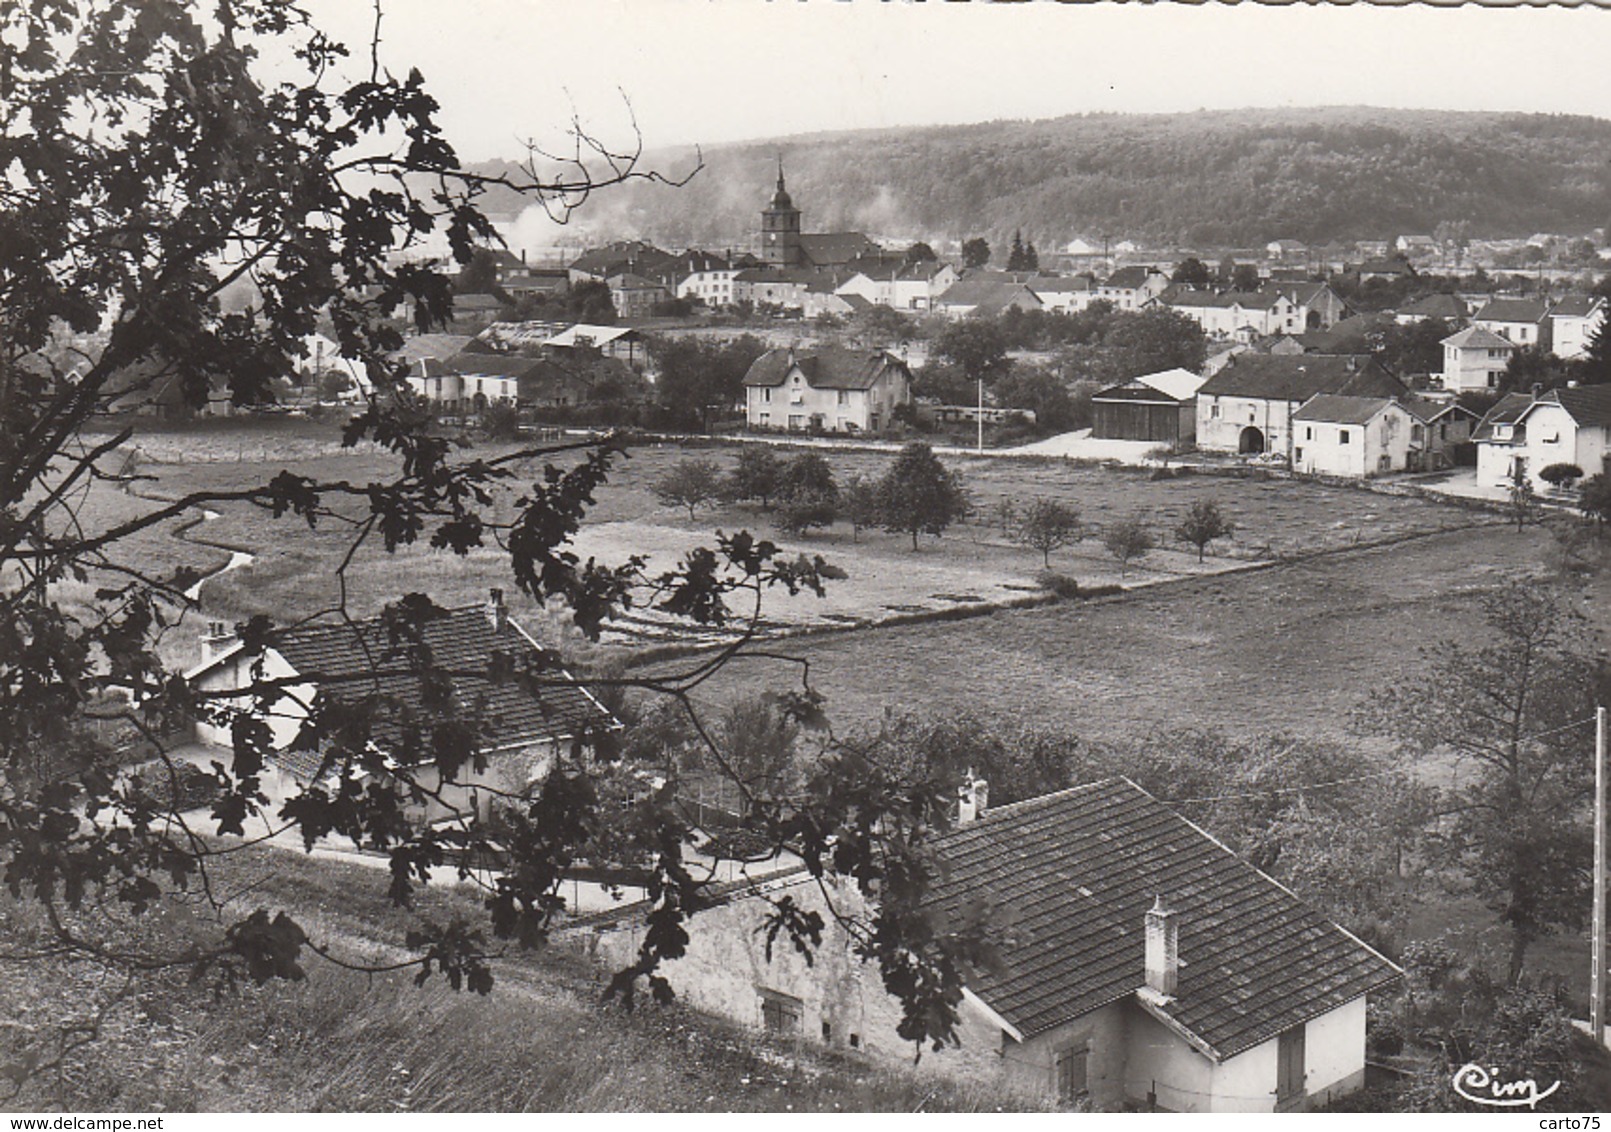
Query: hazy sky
x,y
721,70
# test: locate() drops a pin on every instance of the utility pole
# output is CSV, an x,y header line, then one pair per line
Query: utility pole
x,y
1597,934
981,415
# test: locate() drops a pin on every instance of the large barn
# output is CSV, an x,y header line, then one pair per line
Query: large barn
x,y
1155,406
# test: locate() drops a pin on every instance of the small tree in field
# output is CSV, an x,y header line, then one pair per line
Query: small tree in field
x,y
1048,525
756,476
1594,499
1128,540
919,495
807,494
1523,500
859,501
1203,523
690,484
1561,476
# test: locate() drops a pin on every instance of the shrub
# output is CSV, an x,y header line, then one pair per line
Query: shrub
x,y
1128,540
1561,476
1063,585
690,484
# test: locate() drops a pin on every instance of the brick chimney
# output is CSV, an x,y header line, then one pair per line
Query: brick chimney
x,y
1163,949
497,615
215,639
973,798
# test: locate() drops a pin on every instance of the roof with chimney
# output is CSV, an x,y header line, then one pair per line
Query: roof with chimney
x,y
1576,306
1507,411
1071,876
1585,404
1512,310
437,346
1298,377
1476,338
349,661
834,249
1129,278
1075,872
1441,305
824,367
1332,408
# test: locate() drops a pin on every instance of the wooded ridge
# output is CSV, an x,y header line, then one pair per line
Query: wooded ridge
x,y
1210,178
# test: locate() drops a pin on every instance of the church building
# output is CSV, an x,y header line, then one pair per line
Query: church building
x,y
783,244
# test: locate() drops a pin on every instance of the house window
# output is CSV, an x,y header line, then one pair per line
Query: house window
x,y
781,1014
1071,1065
1342,436
766,395
1213,412
1493,379
1308,433
844,396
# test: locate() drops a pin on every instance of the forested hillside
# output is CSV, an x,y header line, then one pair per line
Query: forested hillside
x,y
1203,179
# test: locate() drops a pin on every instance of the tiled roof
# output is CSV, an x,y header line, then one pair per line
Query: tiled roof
x,y
1298,377
464,642
1170,386
1428,411
1357,335
982,293
1508,411
1385,267
825,367
826,249
438,346
1075,872
1477,338
492,365
1128,278
1441,305
1512,310
1061,284
1333,408
1576,306
1588,404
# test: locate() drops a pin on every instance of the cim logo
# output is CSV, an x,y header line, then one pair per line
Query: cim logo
x,y
1483,1086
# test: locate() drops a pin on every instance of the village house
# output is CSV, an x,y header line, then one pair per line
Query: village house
x,y
473,311
1574,321
1064,294
599,265
1247,406
636,296
488,379
1522,321
1442,306
1474,360
1143,965
1160,407
1131,288
909,287
1531,432
526,728
1443,426
986,298
1352,436
826,388
705,277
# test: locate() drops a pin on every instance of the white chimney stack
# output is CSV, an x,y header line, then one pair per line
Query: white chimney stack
x,y
497,616
215,640
1163,949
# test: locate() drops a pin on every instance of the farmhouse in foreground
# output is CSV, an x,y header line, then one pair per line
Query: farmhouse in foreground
x,y
1560,426
1142,964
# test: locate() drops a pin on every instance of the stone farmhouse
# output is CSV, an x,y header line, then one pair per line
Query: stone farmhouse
x,y
826,388
1142,964
1248,405
1353,436
526,728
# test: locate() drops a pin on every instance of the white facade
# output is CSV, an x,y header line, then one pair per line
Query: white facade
x,y
799,406
713,288
1545,434
1224,423
1474,363
1337,448
912,292
1573,333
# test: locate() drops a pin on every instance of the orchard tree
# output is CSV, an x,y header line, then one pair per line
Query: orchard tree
x,y
859,501
162,157
808,496
1128,540
1047,525
691,484
1514,708
975,252
1203,523
920,495
756,475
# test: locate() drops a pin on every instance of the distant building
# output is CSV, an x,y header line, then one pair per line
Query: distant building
x,y
1247,407
1573,323
826,388
908,287
985,297
1448,308
1522,321
784,244
1131,288
1156,406
1474,360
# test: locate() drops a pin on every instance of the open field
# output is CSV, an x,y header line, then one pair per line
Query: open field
x,y
1293,647
293,574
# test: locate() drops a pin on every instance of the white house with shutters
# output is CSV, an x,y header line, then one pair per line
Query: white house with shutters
x,y
826,388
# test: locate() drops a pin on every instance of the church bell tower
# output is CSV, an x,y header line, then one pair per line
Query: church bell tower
x,y
780,229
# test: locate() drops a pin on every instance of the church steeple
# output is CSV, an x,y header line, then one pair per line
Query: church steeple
x,y
780,228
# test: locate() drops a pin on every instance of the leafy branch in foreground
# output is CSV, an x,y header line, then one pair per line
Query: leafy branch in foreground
x,y
172,220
